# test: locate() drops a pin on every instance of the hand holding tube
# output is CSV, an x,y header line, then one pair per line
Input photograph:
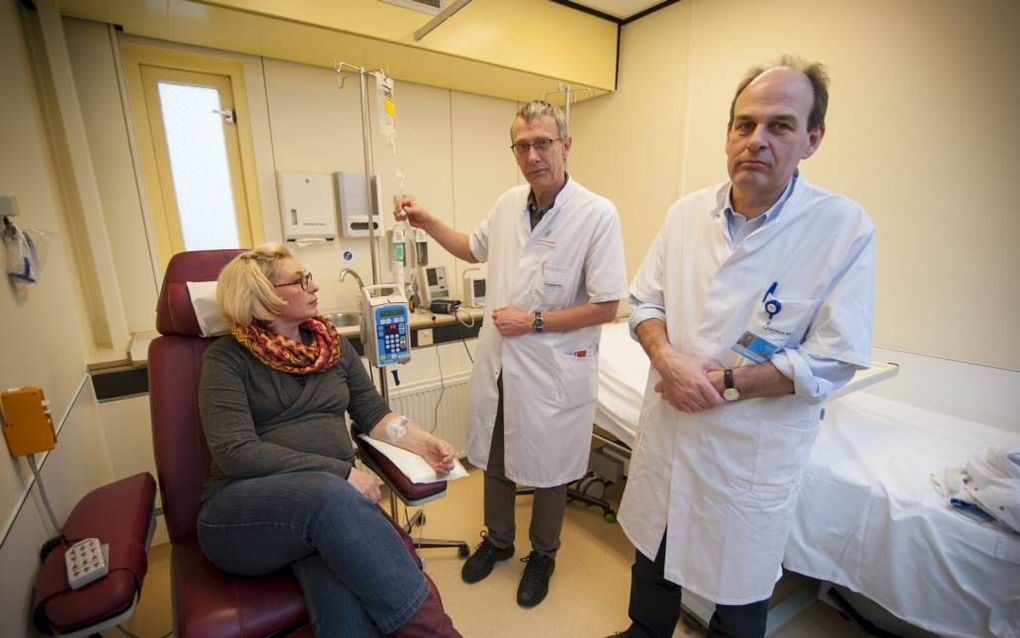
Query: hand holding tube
x,y
407,209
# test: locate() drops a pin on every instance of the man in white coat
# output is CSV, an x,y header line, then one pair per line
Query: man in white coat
x,y
555,272
754,303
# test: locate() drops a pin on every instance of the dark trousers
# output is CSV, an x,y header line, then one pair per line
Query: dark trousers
x,y
547,509
655,605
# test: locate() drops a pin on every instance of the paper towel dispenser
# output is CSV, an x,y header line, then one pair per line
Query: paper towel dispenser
x,y
307,206
354,209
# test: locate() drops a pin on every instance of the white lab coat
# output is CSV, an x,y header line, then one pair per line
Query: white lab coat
x,y
724,481
573,256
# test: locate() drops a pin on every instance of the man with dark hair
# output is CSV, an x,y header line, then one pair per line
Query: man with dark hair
x,y
555,272
754,303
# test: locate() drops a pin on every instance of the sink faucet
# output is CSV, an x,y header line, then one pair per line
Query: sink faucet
x,y
347,271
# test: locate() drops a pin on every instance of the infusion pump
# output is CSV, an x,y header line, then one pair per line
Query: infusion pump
x,y
385,325
474,289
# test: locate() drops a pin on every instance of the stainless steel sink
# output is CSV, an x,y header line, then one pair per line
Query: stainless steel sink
x,y
345,319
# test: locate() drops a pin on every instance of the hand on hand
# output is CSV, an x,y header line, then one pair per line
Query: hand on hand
x,y
512,321
685,384
365,483
410,210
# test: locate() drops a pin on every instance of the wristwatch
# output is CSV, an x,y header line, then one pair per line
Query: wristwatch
x,y
730,393
538,323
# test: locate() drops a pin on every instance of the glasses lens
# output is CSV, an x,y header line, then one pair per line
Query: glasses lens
x,y
306,281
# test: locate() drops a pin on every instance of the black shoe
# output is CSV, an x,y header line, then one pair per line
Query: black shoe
x,y
480,564
535,581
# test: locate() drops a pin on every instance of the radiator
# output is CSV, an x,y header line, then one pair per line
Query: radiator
x,y
418,401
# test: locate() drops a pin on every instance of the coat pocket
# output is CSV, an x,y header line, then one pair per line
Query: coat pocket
x,y
577,378
555,286
787,327
783,451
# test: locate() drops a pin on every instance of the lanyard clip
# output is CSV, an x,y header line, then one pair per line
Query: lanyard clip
x,y
772,306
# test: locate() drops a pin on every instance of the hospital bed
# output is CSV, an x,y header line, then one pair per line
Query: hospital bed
x,y
868,516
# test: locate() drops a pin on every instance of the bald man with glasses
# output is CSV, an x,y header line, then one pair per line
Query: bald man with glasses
x,y
554,253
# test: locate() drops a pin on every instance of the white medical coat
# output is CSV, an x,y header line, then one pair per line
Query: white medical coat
x,y
724,481
573,256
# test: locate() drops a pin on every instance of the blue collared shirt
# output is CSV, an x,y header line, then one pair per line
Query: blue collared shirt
x,y
813,377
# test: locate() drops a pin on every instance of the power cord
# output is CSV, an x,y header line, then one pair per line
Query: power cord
x,y
442,386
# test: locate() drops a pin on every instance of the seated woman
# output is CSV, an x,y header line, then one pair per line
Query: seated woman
x,y
283,489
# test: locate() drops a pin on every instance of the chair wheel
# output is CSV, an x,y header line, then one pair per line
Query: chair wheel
x,y
463,551
609,517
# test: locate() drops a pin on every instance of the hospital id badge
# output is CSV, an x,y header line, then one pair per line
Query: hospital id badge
x,y
751,346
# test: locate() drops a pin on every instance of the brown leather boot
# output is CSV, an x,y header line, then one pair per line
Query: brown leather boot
x,y
430,621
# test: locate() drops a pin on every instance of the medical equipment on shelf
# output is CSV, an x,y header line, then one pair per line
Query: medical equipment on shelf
x,y
432,284
444,306
398,256
421,247
385,325
355,208
474,288
307,206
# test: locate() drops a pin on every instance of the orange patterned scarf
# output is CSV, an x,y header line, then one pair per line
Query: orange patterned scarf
x,y
286,355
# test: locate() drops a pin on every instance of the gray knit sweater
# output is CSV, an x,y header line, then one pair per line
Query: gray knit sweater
x,y
259,421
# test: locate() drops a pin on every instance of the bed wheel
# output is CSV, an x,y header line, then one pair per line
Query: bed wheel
x,y
592,486
609,517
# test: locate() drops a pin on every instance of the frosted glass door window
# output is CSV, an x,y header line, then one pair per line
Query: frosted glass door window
x,y
198,162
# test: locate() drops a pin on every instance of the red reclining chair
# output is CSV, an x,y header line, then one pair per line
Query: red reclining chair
x,y
207,602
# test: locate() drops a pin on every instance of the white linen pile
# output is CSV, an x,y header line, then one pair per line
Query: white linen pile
x,y
987,487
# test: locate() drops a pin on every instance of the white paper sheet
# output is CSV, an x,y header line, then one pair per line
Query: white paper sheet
x,y
413,466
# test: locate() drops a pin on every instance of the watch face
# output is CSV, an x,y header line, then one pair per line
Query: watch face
x,y
731,394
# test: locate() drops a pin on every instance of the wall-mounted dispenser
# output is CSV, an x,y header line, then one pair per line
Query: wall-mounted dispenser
x,y
354,210
307,206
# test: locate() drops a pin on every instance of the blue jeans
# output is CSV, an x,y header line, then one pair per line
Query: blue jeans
x,y
357,576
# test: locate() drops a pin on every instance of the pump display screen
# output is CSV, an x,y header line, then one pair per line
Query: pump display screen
x,y
479,287
431,274
391,312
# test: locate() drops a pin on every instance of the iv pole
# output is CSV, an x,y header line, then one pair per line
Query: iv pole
x,y
366,139
568,91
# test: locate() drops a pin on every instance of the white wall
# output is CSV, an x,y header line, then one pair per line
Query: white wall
x,y
90,48
918,132
42,336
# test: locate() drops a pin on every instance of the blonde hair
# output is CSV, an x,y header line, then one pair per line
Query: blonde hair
x,y
245,289
538,108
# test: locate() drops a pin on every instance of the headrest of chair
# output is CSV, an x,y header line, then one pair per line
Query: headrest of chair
x,y
174,312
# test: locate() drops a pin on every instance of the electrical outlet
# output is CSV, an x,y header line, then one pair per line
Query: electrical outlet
x,y
425,337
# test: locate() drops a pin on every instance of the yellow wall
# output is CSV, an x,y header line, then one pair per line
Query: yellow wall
x,y
514,50
923,94
529,35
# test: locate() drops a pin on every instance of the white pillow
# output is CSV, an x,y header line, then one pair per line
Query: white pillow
x,y
203,299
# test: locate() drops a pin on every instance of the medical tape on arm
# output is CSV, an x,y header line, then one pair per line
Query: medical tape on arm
x,y
397,428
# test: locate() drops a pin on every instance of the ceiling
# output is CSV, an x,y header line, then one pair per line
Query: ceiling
x,y
620,9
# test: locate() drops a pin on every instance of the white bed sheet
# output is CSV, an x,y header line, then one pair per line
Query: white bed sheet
x,y
869,518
